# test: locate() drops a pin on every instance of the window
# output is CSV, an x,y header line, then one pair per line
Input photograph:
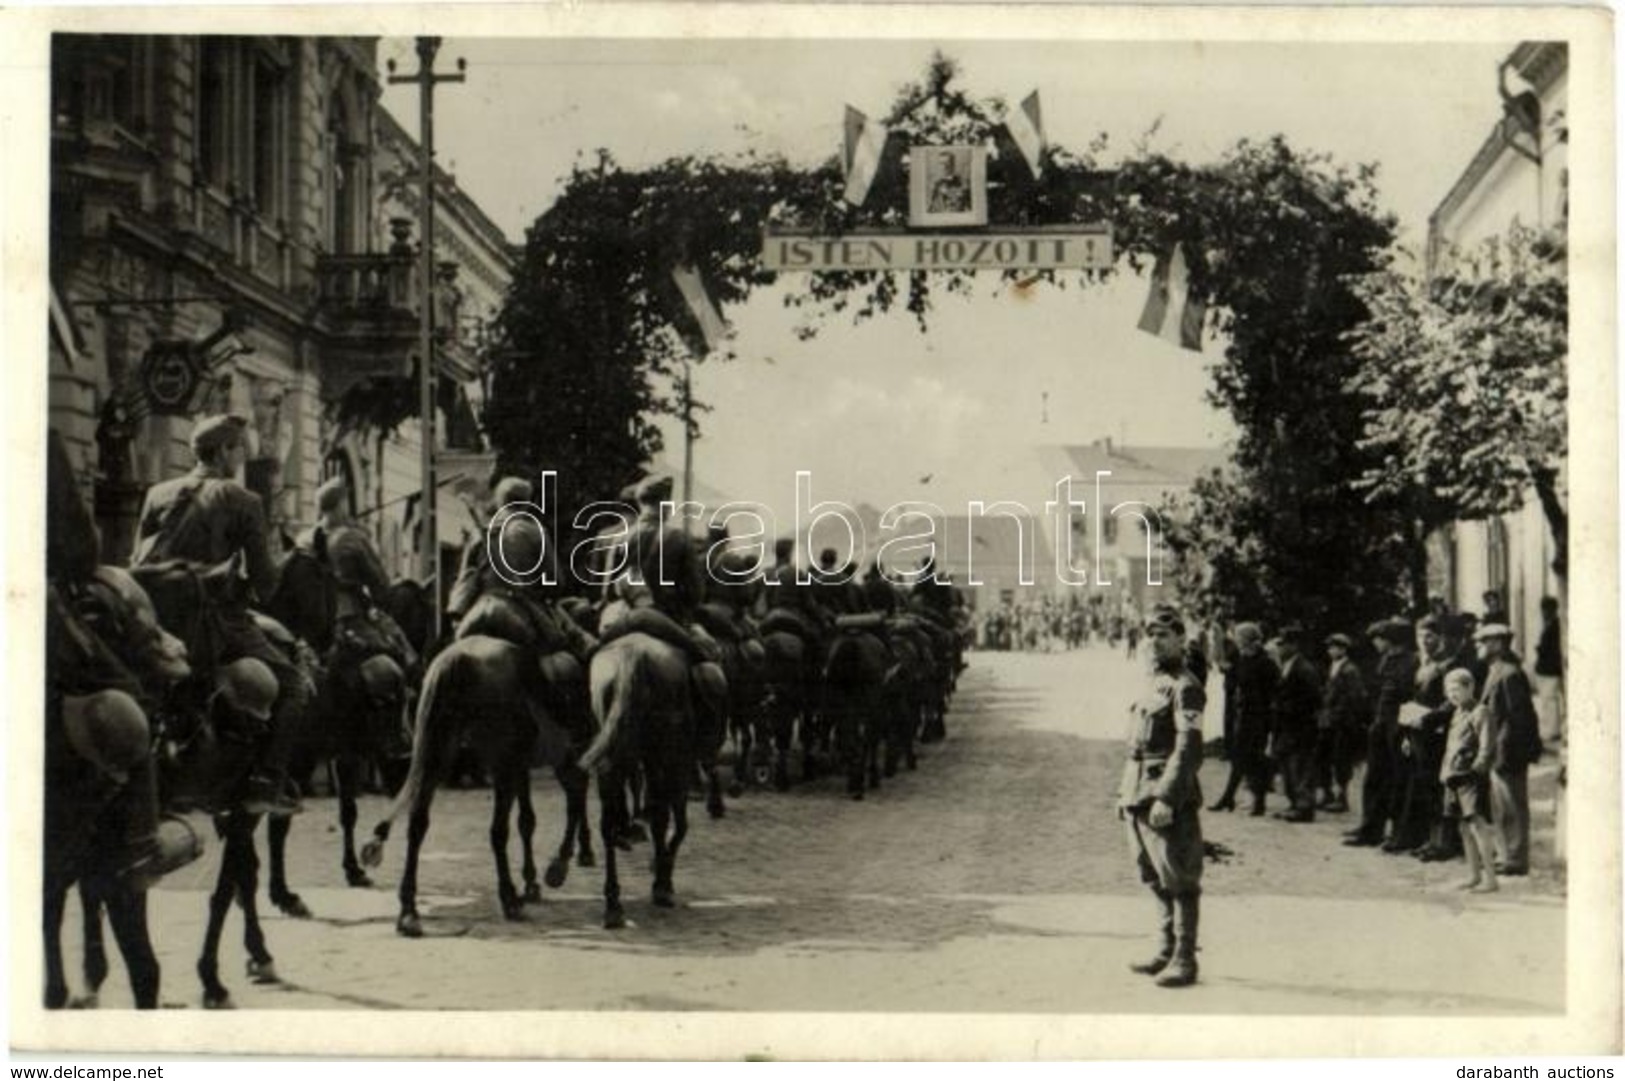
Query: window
x,y
213,84
267,124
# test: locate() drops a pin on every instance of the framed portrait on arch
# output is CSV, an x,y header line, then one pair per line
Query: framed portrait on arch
x,y
947,186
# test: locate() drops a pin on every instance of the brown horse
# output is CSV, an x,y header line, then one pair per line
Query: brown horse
x,y
640,695
488,691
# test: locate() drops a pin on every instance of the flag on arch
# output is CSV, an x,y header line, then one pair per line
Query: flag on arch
x,y
713,329
862,154
1172,311
1026,128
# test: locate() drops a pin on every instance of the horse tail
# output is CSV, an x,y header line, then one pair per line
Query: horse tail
x,y
616,687
442,682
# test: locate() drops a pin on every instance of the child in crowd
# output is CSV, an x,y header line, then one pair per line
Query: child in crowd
x,y
1465,775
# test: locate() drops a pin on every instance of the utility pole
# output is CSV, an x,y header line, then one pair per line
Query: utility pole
x,y
429,549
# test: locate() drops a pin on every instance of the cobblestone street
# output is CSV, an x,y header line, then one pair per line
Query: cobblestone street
x,y
993,879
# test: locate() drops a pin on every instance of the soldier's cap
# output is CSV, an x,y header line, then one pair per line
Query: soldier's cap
x,y
1430,623
1396,631
512,490
784,546
1291,633
826,557
1248,634
220,430
1340,640
332,495
1493,630
653,491
1164,617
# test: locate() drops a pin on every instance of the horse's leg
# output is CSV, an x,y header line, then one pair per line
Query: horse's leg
x,y
663,796
95,963
558,868
873,732
575,798
261,966
502,799
346,785
527,838
409,923
127,913
215,995
276,840
56,977
611,810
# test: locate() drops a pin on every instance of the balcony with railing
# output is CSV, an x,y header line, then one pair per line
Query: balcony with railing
x,y
369,304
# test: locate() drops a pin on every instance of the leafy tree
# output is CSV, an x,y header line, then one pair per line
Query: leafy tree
x,y
1466,382
592,333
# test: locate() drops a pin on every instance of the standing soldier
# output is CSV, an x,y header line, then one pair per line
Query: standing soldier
x,y
1160,800
204,518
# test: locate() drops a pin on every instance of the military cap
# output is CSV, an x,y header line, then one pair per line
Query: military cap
x,y
1430,623
512,490
1165,617
784,547
335,493
212,433
1341,640
1493,630
1292,632
653,491
1248,633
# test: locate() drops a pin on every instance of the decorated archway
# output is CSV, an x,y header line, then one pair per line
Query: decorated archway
x,y
596,329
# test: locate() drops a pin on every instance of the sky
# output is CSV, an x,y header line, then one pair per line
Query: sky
x,y
871,410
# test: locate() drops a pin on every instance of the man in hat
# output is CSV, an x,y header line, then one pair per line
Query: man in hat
x,y
1297,702
204,518
1420,821
1255,677
1396,676
358,573
1511,711
1345,714
1160,802
1549,672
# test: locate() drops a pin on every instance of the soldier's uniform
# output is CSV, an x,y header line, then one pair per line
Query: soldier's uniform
x,y
1164,754
204,518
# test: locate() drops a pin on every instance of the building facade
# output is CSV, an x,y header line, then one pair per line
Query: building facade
x,y
224,237
1519,177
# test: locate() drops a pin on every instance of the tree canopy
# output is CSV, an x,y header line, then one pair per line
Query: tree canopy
x,y
590,337
1466,382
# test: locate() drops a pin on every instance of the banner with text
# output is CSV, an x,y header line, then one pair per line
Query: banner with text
x,y
1075,247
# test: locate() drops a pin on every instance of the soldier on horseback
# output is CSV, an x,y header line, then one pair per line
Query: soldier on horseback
x,y
359,623
661,590
204,518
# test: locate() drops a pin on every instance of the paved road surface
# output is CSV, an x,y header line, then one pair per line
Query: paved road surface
x,y
993,879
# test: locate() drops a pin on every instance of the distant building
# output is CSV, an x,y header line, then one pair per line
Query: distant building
x,y
196,180
1117,539
1518,177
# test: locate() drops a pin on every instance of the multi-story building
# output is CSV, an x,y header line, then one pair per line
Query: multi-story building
x,y
230,229
1117,539
1518,177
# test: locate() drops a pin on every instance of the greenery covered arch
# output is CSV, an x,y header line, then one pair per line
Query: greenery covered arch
x,y
590,336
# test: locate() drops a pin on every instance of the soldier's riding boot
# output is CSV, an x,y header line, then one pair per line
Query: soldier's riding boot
x,y
1165,951
270,790
1181,971
710,692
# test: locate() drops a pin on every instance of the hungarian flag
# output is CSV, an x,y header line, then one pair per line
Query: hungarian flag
x,y
713,329
862,155
1026,128
1171,311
